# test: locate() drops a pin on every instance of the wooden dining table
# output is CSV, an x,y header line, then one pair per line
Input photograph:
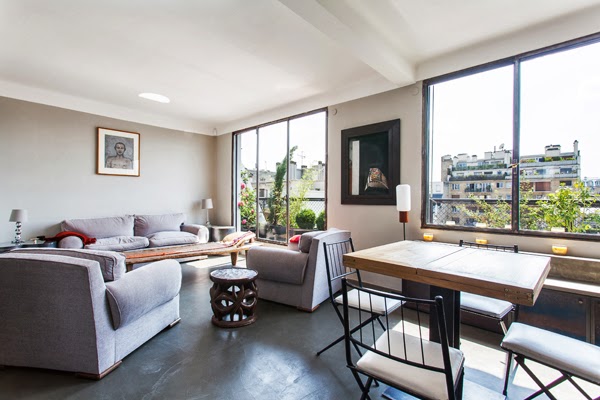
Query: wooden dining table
x,y
450,269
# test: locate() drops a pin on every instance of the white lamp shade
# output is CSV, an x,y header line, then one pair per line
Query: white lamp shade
x,y
18,216
207,204
403,197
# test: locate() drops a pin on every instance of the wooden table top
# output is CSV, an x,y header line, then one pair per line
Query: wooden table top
x,y
515,277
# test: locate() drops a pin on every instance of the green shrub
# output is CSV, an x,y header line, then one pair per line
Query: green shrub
x,y
306,219
321,221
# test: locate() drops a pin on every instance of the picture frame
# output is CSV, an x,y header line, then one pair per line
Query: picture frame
x,y
371,163
118,153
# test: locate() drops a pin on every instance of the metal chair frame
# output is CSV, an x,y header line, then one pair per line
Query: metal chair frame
x,y
565,376
336,271
368,340
514,248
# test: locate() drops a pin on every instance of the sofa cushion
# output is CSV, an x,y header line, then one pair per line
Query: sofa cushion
x,y
146,225
159,239
112,264
100,227
129,298
119,243
306,240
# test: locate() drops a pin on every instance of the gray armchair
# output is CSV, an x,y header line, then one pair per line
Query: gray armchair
x,y
77,310
295,277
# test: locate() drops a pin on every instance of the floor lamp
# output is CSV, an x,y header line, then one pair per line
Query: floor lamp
x,y
403,205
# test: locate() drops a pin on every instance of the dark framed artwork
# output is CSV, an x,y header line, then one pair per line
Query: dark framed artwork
x,y
118,153
371,163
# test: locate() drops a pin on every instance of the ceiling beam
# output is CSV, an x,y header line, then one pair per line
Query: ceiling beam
x,y
359,39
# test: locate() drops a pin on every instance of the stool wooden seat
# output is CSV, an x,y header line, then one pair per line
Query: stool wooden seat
x,y
571,357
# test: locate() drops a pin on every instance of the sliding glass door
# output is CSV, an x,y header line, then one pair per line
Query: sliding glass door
x,y
280,175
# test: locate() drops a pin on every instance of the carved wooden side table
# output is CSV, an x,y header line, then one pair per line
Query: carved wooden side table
x,y
233,297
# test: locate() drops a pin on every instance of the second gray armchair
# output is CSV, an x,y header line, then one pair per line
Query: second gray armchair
x,y
295,277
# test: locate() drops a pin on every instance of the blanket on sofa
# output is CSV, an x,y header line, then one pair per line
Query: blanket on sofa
x,y
61,235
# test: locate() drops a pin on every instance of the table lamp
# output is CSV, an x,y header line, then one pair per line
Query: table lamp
x,y
18,216
403,205
207,205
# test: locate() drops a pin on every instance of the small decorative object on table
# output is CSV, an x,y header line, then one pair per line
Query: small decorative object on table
x,y
559,249
233,297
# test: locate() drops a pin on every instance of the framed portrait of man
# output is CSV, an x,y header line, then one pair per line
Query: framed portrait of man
x,y
118,152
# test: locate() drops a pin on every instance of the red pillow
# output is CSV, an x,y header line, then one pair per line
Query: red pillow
x,y
295,239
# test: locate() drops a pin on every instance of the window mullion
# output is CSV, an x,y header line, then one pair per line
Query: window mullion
x,y
516,146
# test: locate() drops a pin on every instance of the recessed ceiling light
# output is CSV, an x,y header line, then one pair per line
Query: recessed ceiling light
x,y
155,97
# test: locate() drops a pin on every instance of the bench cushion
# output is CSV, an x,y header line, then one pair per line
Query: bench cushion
x,y
571,355
488,306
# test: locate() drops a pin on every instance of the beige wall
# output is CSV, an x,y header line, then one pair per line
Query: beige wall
x,y
48,166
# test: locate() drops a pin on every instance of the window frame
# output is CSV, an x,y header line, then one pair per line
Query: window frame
x,y
256,128
515,61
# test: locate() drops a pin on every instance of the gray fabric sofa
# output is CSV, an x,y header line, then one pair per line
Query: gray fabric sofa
x,y
77,310
296,277
131,232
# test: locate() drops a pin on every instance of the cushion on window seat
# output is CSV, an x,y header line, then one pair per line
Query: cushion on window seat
x,y
119,243
170,238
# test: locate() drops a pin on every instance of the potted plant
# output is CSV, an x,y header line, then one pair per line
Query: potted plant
x,y
247,204
277,208
305,219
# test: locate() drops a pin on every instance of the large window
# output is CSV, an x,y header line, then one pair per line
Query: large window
x,y
512,145
280,177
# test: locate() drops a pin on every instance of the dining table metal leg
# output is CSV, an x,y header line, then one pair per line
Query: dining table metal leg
x,y
451,312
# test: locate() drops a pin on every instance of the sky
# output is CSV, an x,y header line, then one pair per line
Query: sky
x,y
308,133
560,103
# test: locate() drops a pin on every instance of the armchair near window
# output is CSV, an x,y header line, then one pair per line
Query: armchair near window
x,y
295,277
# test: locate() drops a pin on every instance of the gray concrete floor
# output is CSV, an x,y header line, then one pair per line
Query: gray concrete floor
x,y
272,359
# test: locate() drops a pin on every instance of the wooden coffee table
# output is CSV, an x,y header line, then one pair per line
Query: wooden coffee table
x,y
175,252
233,297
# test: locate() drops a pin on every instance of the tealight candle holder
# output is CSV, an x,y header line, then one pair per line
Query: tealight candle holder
x,y
428,237
559,249
481,241
557,229
480,225
450,223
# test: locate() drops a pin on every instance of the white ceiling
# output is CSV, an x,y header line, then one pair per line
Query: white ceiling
x,y
230,64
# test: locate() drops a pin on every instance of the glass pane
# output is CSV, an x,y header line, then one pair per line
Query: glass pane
x,y
470,150
246,177
307,173
272,186
559,167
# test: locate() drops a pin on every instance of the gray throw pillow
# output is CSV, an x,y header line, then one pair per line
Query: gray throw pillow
x,y
146,225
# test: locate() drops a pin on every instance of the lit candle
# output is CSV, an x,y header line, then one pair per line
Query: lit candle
x,y
559,249
428,237
480,241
